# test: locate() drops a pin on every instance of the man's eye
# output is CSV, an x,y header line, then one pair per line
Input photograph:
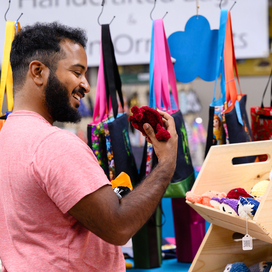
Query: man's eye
x,y
77,73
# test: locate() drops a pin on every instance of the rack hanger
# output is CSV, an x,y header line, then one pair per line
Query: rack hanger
x,y
102,4
233,5
5,16
197,8
153,10
220,4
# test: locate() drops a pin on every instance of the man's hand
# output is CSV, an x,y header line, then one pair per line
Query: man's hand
x,y
166,151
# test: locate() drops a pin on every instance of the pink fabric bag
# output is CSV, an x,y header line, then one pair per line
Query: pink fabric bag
x,y
188,224
96,134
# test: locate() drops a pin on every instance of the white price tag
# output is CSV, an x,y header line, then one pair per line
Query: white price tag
x,y
247,242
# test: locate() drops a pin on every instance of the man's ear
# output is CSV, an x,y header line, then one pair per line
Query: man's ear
x,y
38,72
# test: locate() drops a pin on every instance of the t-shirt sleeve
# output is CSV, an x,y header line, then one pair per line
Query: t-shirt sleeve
x,y
67,169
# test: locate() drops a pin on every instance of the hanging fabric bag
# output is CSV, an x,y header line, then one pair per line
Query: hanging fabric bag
x,y
261,120
228,121
216,130
236,118
6,83
161,77
115,139
95,130
124,160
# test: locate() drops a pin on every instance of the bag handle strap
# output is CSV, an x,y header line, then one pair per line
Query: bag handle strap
x,y
220,57
171,72
164,71
269,79
100,106
152,102
230,63
6,71
161,75
112,77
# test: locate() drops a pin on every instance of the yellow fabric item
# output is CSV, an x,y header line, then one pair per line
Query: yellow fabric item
x,y
128,265
122,179
259,188
6,72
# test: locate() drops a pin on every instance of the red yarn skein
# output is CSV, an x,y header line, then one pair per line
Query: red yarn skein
x,y
148,115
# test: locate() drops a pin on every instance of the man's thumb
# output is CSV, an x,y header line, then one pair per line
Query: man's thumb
x,y
148,130
146,126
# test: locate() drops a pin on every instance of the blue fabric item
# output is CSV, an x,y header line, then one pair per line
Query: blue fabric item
x,y
173,103
220,67
8,112
252,203
220,60
236,267
83,109
167,218
111,119
195,50
238,111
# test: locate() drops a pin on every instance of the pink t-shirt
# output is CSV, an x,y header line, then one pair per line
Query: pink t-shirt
x,y
45,171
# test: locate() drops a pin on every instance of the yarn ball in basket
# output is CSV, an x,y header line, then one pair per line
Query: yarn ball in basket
x,y
237,192
259,188
236,267
247,207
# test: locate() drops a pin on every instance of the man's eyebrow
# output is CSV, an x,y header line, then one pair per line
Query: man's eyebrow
x,y
79,65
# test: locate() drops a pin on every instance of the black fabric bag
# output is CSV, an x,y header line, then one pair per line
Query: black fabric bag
x,y
147,241
123,158
237,132
232,126
117,141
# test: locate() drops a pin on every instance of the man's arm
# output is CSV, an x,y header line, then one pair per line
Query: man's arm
x,y
116,221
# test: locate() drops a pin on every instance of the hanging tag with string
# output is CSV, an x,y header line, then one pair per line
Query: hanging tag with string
x,y
247,242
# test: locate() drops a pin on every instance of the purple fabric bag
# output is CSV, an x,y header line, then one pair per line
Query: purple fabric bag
x,y
189,230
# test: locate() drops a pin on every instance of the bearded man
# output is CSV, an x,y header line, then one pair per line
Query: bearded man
x,y
58,211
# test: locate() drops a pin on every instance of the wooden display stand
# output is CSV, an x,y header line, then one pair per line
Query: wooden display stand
x,y
219,174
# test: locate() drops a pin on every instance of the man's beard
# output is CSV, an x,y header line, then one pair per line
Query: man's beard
x,y
58,103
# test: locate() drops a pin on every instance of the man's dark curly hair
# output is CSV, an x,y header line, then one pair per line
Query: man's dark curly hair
x,y
41,41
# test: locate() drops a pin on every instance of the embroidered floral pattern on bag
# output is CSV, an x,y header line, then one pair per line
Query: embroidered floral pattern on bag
x,y
225,129
126,141
112,174
98,140
148,158
127,144
185,145
218,125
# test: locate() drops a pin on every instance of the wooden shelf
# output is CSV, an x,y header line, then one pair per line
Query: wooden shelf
x,y
220,174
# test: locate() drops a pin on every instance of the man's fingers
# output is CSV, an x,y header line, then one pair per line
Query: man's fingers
x,y
166,118
164,114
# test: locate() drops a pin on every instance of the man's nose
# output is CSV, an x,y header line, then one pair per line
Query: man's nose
x,y
85,85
